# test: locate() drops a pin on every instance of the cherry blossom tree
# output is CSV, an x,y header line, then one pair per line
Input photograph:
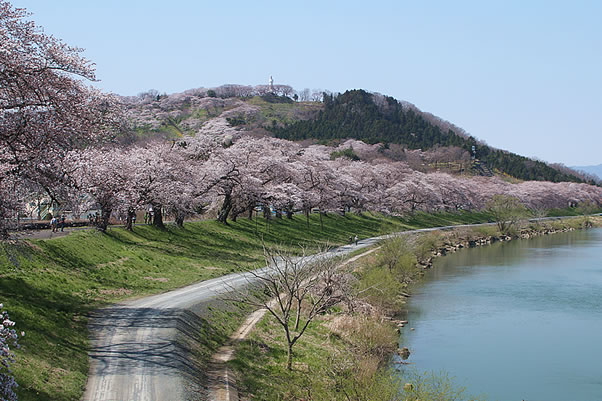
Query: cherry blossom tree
x,y
155,178
45,108
244,172
305,95
286,197
9,199
410,194
284,90
101,181
8,339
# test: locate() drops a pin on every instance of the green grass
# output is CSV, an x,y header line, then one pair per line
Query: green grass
x,y
49,286
283,113
205,114
570,211
262,359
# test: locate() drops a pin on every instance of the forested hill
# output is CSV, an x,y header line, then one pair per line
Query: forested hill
x,y
380,119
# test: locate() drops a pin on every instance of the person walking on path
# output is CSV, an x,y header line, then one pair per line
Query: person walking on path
x,y
356,239
62,223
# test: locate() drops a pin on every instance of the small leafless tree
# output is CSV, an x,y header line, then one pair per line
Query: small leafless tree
x,y
294,290
284,90
317,95
305,95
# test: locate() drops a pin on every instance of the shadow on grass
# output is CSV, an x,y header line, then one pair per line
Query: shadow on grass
x,y
190,243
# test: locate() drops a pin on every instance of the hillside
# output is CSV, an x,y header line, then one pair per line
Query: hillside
x,y
171,116
357,114
378,119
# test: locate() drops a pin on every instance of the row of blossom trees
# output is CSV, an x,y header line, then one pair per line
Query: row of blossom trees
x,y
229,91
187,177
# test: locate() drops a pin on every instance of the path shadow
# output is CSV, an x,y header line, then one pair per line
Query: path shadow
x,y
147,341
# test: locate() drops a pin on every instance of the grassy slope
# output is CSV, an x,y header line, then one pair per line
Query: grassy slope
x,y
283,113
48,286
262,358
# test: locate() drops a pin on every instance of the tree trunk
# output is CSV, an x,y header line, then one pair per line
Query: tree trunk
x,y
251,213
307,217
298,317
180,221
222,216
289,359
158,217
129,220
256,218
103,222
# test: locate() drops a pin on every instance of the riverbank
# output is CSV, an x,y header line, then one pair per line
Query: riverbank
x,y
51,286
346,354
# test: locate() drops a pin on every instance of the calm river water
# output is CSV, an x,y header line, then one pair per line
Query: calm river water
x,y
515,321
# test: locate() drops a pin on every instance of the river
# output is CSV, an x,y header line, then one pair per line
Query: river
x,y
520,320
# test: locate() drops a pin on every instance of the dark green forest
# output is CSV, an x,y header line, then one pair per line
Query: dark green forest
x,y
355,114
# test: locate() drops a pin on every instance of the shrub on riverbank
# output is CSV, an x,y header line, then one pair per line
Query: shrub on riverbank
x,y
431,386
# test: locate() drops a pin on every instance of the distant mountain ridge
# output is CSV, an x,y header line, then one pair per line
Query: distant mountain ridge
x,y
595,170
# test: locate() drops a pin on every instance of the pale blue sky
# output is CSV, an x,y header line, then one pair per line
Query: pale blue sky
x,y
522,75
